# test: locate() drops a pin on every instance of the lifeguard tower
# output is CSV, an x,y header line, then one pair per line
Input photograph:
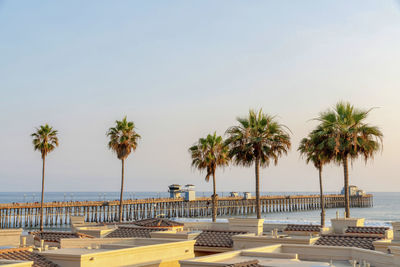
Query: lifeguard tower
x,y
174,191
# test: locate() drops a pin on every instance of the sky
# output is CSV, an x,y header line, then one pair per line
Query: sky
x,y
181,70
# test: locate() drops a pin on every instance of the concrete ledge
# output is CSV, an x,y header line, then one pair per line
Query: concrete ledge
x,y
275,255
211,249
14,263
174,235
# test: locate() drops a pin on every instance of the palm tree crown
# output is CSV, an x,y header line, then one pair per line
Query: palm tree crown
x,y
315,148
258,135
123,138
348,134
45,139
209,153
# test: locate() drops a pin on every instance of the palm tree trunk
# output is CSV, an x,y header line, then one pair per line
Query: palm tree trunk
x,y
258,202
322,199
42,199
346,187
214,200
122,191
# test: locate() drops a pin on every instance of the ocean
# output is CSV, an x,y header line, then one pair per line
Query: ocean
x,y
385,210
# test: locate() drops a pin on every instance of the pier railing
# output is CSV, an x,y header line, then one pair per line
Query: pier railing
x,y
56,214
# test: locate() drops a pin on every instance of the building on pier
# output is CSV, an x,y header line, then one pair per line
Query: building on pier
x,y
190,193
234,194
176,191
354,191
247,195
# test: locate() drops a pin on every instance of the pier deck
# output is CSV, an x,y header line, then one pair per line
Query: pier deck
x,y
26,215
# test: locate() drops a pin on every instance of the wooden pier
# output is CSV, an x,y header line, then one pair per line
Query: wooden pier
x,y
56,214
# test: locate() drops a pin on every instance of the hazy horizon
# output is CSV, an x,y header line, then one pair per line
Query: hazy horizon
x,y
181,70
208,191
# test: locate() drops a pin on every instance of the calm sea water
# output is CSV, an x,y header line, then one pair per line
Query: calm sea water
x,y
386,205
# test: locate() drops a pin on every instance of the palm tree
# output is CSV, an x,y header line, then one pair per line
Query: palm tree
x,y
350,137
123,140
258,139
315,150
44,140
208,154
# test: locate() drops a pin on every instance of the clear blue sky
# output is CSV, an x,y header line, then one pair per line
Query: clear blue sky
x,y
181,70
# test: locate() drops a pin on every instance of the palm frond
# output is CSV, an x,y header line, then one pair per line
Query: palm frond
x,y
44,139
348,134
209,153
258,135
123,138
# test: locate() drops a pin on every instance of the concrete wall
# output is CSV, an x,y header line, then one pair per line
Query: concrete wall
x,y
252,241
250,225
95,232
267,227
208,260
93,242
167,254
189,226
339,225
12,263
384,245
10,237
